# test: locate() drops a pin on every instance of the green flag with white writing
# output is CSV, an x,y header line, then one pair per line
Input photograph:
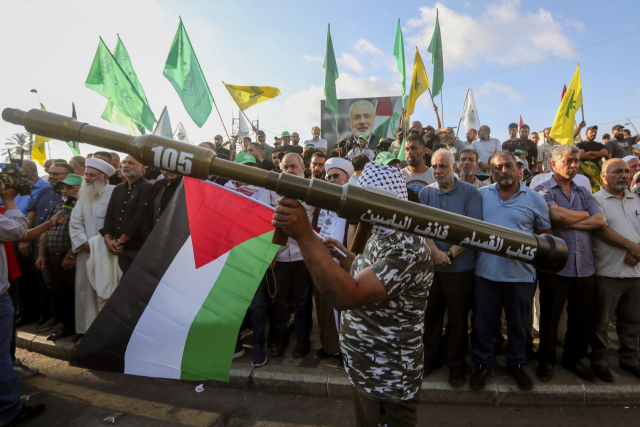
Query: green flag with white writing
x,y
107,78
398,53
330,76
183,70
436,59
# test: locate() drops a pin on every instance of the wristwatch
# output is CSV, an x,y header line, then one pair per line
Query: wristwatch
x,y
449,254
71,257
118,242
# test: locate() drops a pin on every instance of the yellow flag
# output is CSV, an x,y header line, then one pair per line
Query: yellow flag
x,y
38,153
419,83
563,126
247,96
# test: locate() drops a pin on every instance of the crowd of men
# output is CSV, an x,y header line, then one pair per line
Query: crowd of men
x,y
84,222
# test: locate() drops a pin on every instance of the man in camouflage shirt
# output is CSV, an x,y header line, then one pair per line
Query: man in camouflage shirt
x,y
382,302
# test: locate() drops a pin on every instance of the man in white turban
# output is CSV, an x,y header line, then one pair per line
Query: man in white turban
x,y
87,218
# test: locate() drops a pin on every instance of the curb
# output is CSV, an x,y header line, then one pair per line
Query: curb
x,y
500,389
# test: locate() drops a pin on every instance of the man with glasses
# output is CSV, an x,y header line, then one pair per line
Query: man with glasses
x,y
338,172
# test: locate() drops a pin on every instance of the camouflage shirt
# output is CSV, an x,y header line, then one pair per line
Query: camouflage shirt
x,y
382,342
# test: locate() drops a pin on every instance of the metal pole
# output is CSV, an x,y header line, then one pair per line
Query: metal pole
x,y
464,104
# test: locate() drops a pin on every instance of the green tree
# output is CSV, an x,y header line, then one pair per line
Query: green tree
x,y
19,145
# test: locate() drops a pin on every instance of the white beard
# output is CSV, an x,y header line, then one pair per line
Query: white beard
x,y
91,191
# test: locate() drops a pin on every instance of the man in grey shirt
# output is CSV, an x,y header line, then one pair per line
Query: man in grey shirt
x,y
485,147
13,227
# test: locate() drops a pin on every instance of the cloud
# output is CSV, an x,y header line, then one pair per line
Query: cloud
x,y
363,45
503,34
490,89
312,58
350,61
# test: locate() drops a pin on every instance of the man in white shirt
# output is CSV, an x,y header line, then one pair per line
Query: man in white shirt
x,y
319,144
486,147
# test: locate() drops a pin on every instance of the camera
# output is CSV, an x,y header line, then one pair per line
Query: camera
x,y
13,178
342,143
69,204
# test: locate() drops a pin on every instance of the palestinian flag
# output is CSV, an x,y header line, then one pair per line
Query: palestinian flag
x,y
178,310
385,123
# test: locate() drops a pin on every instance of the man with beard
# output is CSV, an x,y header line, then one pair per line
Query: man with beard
x,y
220,149
454,145
266,148
416,174
506,282
429,137
276,156
486,147
471,135
362,116
523,143
468,164
620,146
452,288
616,252
317,165
124,231
163,191
87,218
361,148
316,141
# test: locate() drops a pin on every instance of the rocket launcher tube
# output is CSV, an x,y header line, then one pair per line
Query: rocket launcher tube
x,y
544,252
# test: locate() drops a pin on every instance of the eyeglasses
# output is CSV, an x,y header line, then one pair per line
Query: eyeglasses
x,y
59,173
334,176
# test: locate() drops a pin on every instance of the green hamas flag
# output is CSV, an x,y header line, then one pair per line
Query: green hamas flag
x,y
436,59
183,70
107,78
330,76
398,53
111,113
74,146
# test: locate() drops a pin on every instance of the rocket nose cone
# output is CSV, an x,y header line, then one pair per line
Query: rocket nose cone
x,y
7,113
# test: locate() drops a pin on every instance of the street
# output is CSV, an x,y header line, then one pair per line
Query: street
x,y
79,397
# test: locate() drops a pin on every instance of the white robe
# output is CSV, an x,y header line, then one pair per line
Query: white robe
x,y
86,221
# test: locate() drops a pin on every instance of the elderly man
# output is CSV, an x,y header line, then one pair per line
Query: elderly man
x,y
454,145
634,165
77,163
486,147
316,141
124,231
382,301
329,224
468,164
318,161
292,275
503,281
361,119
55,250
574,214
87,218
616,251
452,288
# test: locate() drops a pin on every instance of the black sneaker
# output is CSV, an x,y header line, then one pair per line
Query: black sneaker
x,y
259,356
602,372
239,351
633,369
456,376
479,377
522,379
544,372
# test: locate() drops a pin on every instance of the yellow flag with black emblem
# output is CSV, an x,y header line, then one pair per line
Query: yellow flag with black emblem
x,y
419,83
248,96
563,126
38,151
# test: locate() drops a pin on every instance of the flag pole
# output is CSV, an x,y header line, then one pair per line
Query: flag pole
x,y
222,121
442,109
435,108
464,104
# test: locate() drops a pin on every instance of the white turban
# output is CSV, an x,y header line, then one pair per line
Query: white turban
x,y
339,163
627,158
100,165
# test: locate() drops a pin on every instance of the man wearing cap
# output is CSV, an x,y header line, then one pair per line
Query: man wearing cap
x,y
87,218
56,253
453,280
619,146
361,148
486,147
286,144
316,141
330,225
124,231
217,140
397,144
382,294
386,158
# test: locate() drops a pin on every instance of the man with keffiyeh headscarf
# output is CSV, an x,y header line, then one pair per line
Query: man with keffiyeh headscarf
x,y
382,294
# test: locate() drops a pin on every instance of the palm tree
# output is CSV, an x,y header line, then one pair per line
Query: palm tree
x,y
19,145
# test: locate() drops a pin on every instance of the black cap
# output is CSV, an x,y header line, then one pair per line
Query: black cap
x,y
398,131
617,127
413,130
260,133
594,127
513,125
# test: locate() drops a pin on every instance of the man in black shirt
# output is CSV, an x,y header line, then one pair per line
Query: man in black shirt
x,y
217,141
522,143
161,194
591,150
124,228
620,147
532,148
255,149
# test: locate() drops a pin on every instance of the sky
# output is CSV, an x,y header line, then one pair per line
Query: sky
x,y
515,56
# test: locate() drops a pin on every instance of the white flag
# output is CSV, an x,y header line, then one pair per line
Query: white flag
x,y
163,128
470,112
244,127
181,134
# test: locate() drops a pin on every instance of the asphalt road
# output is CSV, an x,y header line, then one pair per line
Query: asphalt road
x,y
83,398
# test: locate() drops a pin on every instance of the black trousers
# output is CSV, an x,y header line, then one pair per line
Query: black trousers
x,y
555,290
63,285
34,298
126,259
452,292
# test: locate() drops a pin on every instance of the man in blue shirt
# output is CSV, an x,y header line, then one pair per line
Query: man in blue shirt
x,y
574,213
499,280
453,280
